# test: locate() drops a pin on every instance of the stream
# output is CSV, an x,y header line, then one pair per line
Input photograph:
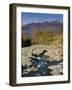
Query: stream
x,y
41,64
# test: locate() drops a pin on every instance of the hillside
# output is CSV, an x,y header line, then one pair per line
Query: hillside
x,y
53,26
52,39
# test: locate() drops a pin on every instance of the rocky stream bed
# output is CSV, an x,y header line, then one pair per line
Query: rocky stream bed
x,y
41,60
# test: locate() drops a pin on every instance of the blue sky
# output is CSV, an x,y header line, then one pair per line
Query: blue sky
x,y
27,18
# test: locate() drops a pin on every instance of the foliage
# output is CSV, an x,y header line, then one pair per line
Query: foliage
x,y
42,37
26,40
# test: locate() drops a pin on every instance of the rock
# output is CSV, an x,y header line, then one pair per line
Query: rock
x,y
55,72
25,56
31,69
25,61
51,55
28,70
56,69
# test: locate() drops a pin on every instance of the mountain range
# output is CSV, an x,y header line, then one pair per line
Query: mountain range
x,y
53,26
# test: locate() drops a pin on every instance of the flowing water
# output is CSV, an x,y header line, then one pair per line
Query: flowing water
x,y
42,67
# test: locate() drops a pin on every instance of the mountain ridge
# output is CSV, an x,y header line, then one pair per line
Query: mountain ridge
x,y
54,26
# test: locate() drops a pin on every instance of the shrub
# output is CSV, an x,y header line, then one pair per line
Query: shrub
x,y
26,41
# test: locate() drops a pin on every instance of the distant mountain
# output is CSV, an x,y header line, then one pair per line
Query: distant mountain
x,y
53,26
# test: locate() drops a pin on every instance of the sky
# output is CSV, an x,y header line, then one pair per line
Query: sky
x,y
27,18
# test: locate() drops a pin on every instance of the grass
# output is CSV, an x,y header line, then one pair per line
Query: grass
x,y
53,39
